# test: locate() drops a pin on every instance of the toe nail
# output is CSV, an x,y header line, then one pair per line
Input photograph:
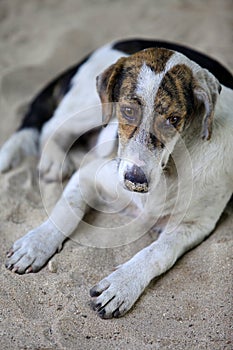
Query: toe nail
x,y
97,306
29,270
15,269
102,313
116,313
9,254
94,292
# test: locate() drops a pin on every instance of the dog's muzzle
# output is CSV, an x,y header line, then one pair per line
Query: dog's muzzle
x,y
135,180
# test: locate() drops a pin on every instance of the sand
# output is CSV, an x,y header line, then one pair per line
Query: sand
x,y
187,308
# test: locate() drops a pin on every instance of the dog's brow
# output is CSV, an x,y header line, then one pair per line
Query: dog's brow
x,y
134,98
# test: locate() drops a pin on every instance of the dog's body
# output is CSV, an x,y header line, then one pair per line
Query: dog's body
x,y
175,154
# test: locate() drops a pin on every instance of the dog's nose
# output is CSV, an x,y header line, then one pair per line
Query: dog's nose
x,y
135,179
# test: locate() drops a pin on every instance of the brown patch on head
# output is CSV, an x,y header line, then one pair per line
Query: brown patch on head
x,y
126,131
155,58
125,87
174,103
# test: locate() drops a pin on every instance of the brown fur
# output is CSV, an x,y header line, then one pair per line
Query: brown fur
x,y
175,98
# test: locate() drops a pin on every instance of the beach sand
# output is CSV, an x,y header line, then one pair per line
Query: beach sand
x,y
187,308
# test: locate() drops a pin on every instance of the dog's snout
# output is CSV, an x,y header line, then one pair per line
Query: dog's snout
x,y
136,175
135,179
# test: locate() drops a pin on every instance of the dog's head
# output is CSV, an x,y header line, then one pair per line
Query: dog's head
x,y
155,94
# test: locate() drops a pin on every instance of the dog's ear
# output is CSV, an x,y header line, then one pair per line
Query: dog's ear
x,y
206,90
105,83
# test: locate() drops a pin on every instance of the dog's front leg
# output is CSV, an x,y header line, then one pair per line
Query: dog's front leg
x,y
33,250
116,294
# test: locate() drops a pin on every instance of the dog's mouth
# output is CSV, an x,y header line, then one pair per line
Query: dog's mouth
x,y
136,187
135,180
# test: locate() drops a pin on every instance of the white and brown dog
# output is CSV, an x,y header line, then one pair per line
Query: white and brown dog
x,y
169,108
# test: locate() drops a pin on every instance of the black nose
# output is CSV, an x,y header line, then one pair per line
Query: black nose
x,y
135,179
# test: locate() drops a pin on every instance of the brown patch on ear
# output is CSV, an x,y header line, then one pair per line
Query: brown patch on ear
x,y
105,83
206,89
203,97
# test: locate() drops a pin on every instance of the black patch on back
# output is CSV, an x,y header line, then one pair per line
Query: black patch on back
x,y
44,104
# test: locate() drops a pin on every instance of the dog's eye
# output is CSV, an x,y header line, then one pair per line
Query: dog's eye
x,y
173,120
130,114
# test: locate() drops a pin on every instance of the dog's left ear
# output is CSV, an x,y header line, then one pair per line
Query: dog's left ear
x,y
105,84
206,90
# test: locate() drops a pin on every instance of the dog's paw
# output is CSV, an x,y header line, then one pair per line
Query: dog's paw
x,y
55,164
32,251
116,294
19,145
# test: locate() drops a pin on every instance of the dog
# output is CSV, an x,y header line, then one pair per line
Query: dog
x,y
167,112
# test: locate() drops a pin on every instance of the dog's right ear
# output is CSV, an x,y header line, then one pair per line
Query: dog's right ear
x,y
207,88
105,83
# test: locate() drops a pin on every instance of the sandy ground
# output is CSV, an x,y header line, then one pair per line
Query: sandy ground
x,y
187,308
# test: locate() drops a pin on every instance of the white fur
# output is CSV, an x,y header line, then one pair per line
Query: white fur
x,y
147,86
107,139
204,166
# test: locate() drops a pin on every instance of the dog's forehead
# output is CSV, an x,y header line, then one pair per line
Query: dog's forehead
x,y
156,58
146,70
